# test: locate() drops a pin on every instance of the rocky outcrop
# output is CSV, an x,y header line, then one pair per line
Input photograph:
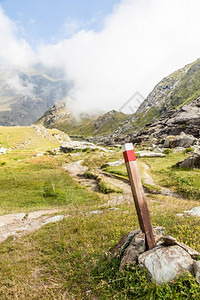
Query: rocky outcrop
x,y
190,162
171,91
181,122
182,140
80,147
57,114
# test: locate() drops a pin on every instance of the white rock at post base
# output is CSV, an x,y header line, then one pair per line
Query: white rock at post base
x,y
166,263
197,270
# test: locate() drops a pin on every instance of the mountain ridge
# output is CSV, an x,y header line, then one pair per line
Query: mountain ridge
x,y
25,96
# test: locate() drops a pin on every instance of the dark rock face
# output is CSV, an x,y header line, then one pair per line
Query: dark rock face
x,y
185,119
182,140
190,162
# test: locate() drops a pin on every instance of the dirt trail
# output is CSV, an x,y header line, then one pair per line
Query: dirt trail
x,y
146,177
149,180
22,223
125,187
75,168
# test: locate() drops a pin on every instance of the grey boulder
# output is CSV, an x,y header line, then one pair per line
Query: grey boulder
x,y
164,264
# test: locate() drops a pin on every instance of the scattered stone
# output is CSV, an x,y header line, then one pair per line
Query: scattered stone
x,y
21,216
75,154
180,215
170,241
114,163
195,211
190,162
75,168
6,235
166,263
40,154
79,146
197,270
118,246
159,230
182,140
2,224
130,257
150,154
54,219
178,149
131,237
128,242
94,212
3,150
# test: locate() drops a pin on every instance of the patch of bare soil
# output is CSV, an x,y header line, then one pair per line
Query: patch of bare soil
x,y
75,168
22,223
149,180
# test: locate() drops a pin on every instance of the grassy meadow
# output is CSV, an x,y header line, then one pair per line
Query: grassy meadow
x,y
70,259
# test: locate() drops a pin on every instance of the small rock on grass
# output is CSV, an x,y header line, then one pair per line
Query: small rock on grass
x,y
54,219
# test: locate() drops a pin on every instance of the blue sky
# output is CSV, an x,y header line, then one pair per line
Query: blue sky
x,y
51,20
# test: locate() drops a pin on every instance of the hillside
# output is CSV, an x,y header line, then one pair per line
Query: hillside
x,y
184,119
25,96
59,117
58,227
31,137
173,91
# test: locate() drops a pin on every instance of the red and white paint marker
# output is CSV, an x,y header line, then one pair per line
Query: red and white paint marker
x,y
138,194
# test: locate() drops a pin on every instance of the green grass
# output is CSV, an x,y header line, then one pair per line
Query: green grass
x,y
107,188
119,170
27,138
95,126
38,182
185,182
70,259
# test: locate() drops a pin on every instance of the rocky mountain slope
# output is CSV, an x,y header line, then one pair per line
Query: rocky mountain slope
x,y
165,101
24,96
58,116
175,90
185,119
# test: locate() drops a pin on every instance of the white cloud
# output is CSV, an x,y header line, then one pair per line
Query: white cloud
x,y
142,41
23,88
13,51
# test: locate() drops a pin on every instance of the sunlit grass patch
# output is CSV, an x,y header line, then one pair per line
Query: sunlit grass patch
x,y
27,185
69,259
186,182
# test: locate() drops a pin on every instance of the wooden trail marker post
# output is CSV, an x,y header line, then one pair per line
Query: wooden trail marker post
x,y
138,194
